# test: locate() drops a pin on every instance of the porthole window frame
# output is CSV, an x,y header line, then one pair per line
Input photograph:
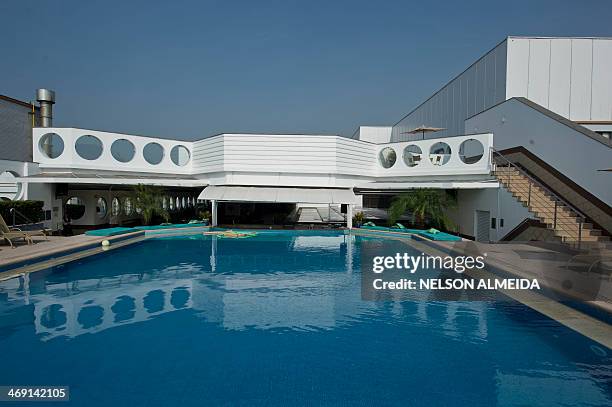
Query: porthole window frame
x,y
381,159
98,213
414,163
133,152
461,156
119,206
128,206
83,204
163,153
41,149
450,154
176,147
76,147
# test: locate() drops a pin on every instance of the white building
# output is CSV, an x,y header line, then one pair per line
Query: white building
x,y
543,104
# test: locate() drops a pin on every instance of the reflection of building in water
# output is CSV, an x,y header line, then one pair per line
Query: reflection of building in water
x,y
305,297
89,306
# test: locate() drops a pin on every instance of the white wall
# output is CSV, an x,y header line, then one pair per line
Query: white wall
x,y
499,202
69,159
570,152
36,192
322,161
479,87
90,199
374,134
570,76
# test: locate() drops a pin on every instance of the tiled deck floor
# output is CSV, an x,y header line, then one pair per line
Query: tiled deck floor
x,y
43,247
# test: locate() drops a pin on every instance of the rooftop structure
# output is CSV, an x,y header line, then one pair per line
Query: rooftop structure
x,y
541,103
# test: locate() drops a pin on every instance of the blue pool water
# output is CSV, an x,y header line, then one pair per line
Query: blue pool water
x,y
277,320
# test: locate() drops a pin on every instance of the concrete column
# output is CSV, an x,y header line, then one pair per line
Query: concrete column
x,y
214,213
349,216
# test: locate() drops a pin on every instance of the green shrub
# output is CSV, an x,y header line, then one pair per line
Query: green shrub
x,y
30,209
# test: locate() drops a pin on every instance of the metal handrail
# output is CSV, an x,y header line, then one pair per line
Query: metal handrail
x,y
16,212
556,198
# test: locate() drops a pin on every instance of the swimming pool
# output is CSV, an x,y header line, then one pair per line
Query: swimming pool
x,y
276,320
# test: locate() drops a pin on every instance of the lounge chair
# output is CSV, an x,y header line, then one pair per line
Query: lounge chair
x,y
9,234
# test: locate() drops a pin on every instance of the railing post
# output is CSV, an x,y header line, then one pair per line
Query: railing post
x,y
529,195
509,168
13,211
555,217
580,232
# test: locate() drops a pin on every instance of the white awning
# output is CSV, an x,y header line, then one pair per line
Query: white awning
x,y
109,179
274,194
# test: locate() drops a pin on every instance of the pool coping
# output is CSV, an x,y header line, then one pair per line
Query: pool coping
x,y
72,247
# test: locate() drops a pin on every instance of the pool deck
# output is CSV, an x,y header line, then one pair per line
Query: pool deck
x,y
42,247
57,250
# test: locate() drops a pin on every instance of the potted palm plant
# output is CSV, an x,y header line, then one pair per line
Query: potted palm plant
x,y
424,204
358,219
148,201
205,216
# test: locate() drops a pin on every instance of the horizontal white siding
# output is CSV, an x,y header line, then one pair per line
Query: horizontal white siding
x,y
262,159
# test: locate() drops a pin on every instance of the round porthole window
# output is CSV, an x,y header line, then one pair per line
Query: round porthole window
x,y
51,145
101,208
115,207
387,157
89,147
412,155
153,153
180,155
123,150
75,208
439,153
137,206
9,188
471,151
127,207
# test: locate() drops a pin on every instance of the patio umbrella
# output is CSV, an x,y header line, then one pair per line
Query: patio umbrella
x,y
423,129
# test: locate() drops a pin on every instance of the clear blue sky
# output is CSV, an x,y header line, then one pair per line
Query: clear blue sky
x,y
194,68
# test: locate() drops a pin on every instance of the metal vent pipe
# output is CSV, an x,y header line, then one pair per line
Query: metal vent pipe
x,y
46,99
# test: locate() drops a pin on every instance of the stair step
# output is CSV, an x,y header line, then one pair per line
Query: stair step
x,y
539,201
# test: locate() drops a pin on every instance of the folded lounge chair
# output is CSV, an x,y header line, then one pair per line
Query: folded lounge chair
x,y
9,234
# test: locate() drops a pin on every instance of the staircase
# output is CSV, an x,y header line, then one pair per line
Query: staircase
x,y
566,222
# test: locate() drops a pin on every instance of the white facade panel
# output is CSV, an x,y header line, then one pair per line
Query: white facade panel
x,y
560,76
570,76
577,156
518,68
602,80
581,75
539,72
479,87
374,134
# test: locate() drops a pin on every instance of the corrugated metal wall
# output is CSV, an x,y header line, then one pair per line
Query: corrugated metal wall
x,y
570,76
15,131
479,87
